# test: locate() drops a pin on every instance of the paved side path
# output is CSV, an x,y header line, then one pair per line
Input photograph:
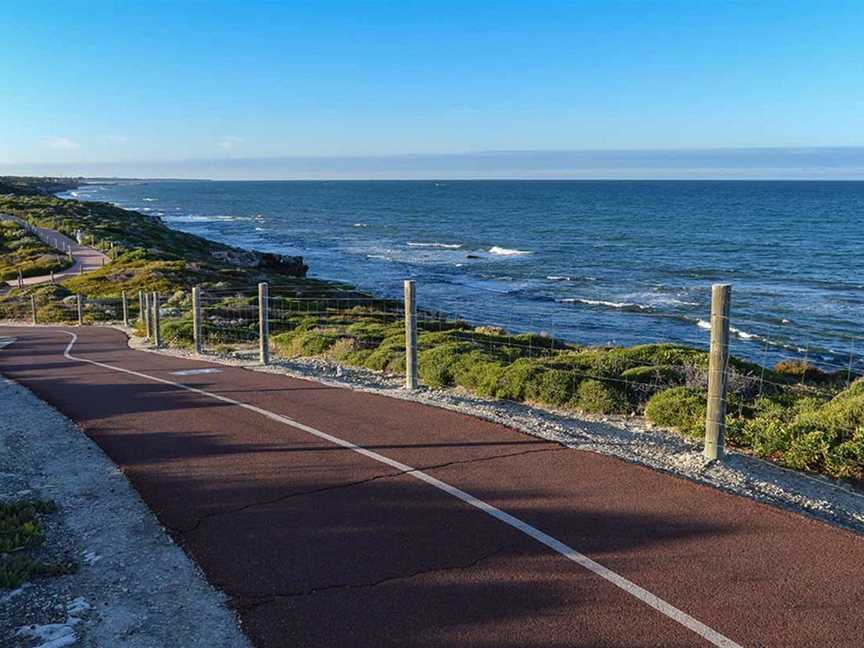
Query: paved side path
x,y
84,258
321,543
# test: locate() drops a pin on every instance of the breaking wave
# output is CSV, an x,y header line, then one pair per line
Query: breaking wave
x,y
502,251
435,244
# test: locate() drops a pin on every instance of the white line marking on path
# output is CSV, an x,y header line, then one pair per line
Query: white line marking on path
x,y
195,372
709,634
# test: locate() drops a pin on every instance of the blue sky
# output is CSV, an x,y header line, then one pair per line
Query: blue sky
x,y
184,88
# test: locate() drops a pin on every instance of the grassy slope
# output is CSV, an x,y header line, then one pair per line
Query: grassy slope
x,y
20,250
147,254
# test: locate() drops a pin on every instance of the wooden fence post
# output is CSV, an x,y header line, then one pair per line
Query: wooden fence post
x,y
125,301
146,313
80,310
20,280
718,363
157,328
196,318
264,321
33,308
410,336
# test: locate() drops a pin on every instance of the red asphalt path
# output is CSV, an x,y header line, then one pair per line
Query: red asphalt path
x,y
319,545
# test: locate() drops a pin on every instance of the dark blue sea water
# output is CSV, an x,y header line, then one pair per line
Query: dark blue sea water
x,y
591,261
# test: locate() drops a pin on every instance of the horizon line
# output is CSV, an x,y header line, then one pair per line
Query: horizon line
x,y
731,163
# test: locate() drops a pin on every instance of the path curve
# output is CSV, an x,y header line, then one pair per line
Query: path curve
x,y
84,258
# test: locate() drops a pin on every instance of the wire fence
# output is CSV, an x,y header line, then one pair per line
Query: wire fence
x,y
727,376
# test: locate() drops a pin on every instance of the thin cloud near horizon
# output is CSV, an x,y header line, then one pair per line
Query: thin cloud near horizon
x,y
842,162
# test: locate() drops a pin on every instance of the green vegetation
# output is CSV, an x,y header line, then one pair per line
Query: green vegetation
x,y
816,433
26,186
21,535
24,252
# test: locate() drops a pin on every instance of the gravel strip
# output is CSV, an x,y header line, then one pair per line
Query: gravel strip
x,y
133,587
629,438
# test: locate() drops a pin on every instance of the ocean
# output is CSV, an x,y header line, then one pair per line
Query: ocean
x,y
594,262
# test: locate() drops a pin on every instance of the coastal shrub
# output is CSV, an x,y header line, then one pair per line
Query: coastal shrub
x,y
178,332
513,383
806,451
369,331
797,370
435,365
807,433
596,397
846,460
768,436
389,356
661,375
342,350
550,387
302,343
614,361
478,372
682,408
490,330
838,419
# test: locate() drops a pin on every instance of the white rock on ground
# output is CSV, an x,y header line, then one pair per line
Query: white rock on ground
x,y
134,587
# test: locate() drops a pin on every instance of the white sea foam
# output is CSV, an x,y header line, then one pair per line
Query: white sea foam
x,y
435,244
559,278
502,251
196,218
360,225
149,199
744,335
601,302
741,334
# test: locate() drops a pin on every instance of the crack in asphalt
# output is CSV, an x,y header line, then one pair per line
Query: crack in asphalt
x,y
246,603
360,482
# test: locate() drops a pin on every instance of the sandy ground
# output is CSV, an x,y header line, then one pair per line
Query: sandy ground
x,y
134,587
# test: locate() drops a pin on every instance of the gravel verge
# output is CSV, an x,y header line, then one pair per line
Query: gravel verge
x,y
627,437
134,587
